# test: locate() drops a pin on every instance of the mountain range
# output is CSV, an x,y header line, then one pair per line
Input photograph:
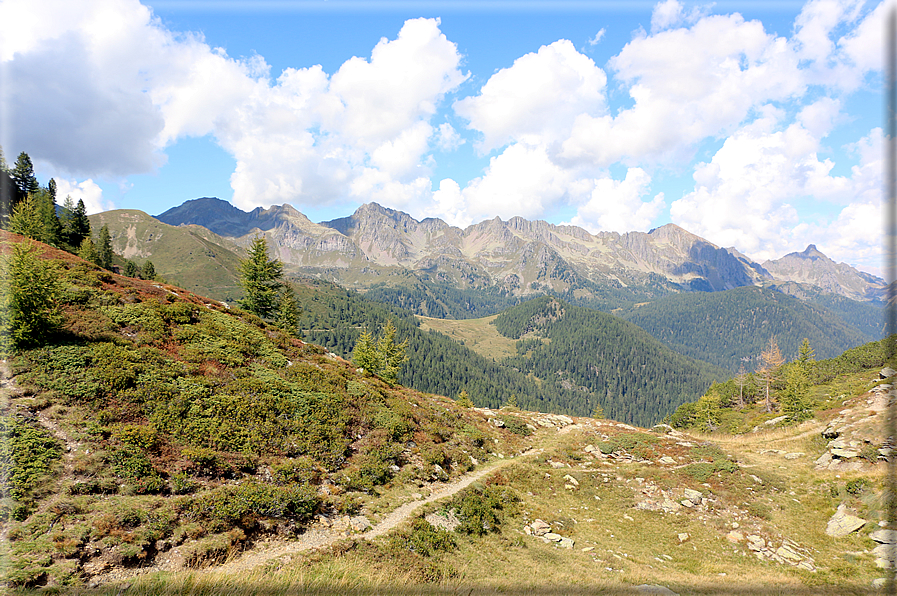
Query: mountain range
x,y
377,245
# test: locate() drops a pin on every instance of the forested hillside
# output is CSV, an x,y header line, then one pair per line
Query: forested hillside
x,y
724,328
634,377
334,318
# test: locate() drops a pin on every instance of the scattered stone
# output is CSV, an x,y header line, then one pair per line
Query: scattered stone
x,y
446,520
566,543
755,542
557,464
683,536
589,449
360,523
735,536
540,528
794,455
694,496
887,372
844,453
756,479
666,459
879,583
884,536
571,479
552,537
588,549
786,552
655,589
686,503
831,432
497,422
661,428
843,523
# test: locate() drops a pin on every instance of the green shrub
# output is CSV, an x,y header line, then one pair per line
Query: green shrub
x,y
857,486
703,470
180,483
481,510
137,435
131,463
396,425
638,444
516,425
30,294
229,505
302,470
427,540
27,454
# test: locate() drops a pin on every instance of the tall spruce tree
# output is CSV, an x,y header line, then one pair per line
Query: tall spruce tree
x,y
104,248
148,271
260,278
87,250
23,176
80,225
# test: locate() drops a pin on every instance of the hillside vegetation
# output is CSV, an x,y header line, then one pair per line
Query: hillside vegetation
x,y
145,419
632,376
732,327
335,318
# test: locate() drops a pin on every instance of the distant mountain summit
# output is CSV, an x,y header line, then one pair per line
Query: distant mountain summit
x,y
378,246
814,268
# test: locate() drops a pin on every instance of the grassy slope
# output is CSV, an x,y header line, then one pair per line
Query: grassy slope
x,y
477,334
188,256
159,421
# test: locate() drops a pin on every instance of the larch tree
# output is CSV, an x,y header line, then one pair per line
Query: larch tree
x,y
771,362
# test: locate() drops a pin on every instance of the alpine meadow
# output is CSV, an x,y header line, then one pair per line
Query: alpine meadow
x,y
433,299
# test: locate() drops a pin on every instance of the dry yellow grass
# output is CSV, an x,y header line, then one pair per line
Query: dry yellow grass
x,y
477,334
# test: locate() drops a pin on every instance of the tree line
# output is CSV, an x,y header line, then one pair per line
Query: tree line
x,y
31,210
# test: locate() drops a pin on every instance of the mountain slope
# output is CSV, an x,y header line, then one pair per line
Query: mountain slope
x,y
727,328
190,256
154,423
636,378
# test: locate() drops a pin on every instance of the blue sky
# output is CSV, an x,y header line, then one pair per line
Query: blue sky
x,y
753,124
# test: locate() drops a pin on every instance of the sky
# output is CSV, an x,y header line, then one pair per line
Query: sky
x,y
756,125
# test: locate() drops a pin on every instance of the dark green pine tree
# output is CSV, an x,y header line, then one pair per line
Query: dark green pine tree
x,y
148,271
51,187
80,226
104,248
23,176
131,269
260,279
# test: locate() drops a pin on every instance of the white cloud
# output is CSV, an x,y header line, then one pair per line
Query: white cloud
x,y
362,133
537,98
687,85
665,15
521,181
447,138
598,37
747,195
617,205
86,190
